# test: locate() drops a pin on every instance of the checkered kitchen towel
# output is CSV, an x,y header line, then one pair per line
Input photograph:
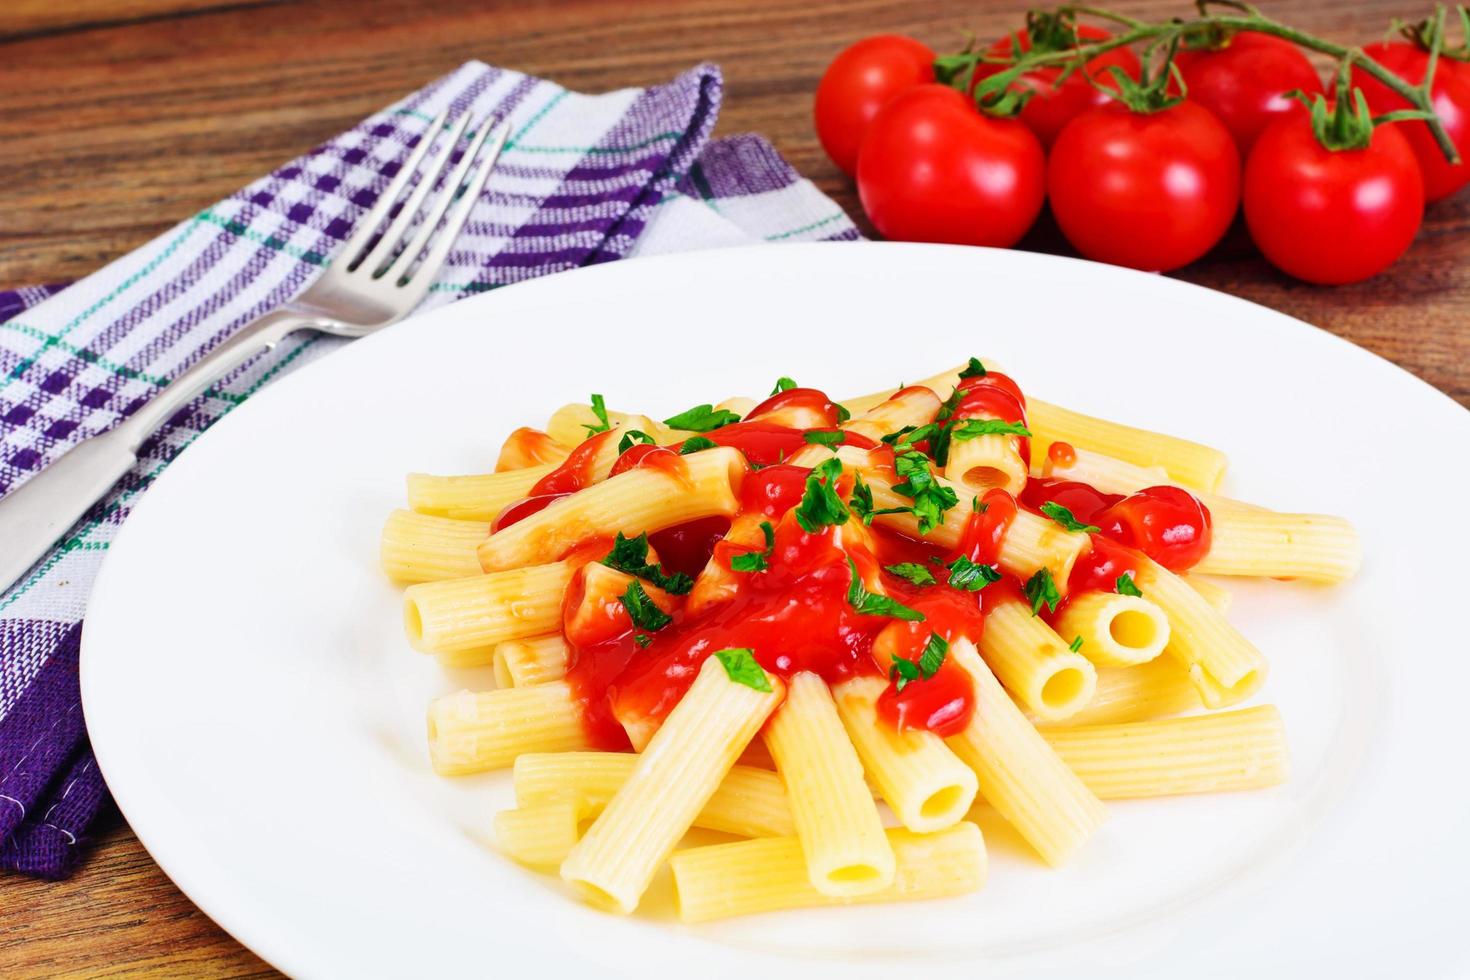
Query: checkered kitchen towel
x,y
583,179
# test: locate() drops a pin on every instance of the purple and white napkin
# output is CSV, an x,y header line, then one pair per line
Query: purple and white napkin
x,y
583,179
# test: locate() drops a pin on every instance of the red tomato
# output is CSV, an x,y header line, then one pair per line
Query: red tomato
x,y
856,85
1166,523
934,169
1244,83
1053,105
1331,216
1451,100
1149,190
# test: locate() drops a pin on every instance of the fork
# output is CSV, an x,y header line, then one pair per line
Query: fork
x,y
368,285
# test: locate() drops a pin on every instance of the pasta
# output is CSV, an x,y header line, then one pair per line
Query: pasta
x,y
724,880
839,828
612,865
799,622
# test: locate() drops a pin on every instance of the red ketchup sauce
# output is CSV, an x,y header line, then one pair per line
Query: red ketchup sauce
x,y
1168,524
994,396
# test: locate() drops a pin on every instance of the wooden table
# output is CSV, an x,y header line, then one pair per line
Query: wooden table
x,y
120,117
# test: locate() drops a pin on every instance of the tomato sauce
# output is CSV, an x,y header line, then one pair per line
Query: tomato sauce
x,y
1168,524
994,396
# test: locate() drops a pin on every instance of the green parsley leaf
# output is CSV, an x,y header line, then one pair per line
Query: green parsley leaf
x,y
599,408
870,604
695,443
641,610
783,383
1063,516
740,666
642,639
862,500
1126,586
632,438
974,428
842,413
818,437
756,561
973,370
911,434
631,555
951,403
1076,644
904,672
702,418
1041,588
933,656
970,576
913,572
820,506
931,498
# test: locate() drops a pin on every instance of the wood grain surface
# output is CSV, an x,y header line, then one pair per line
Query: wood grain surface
x,y
120,117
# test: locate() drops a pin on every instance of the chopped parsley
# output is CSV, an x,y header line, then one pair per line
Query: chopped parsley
x,y
842,413
973,370
817,437
971,576
1076,644
931,498
756,561
695,443
783,383
820,506
599,409
974,428
740,667
642,639
903,672
641,610
632,438
702,418
1063,516
871,604
1126,586
1041,589
912,571
631,555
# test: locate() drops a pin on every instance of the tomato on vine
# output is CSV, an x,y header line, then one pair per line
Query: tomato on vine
x,y
1151,181
933,168
1450,96
1245,79
1330,197
1055,100
857,84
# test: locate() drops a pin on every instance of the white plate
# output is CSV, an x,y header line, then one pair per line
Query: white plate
x,y
259,715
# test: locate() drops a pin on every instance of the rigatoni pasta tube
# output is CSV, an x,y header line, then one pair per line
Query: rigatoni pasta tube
x,y
471,498
915,405
836,820
530,447
1110,475
1224,665
1116,630
1031,543
942,384
921,779
683,766
533,660
538,835
477,731
985,462
1209,753
749,803
1213,592
1314,547
423,548
461,620
1152,690
570,423
1034,663
745,877
1019,773
642,499
1190,463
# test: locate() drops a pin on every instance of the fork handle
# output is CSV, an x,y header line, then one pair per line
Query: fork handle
x,y
34,516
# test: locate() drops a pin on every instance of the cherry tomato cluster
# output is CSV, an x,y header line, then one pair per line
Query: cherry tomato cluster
x,y
1147,165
